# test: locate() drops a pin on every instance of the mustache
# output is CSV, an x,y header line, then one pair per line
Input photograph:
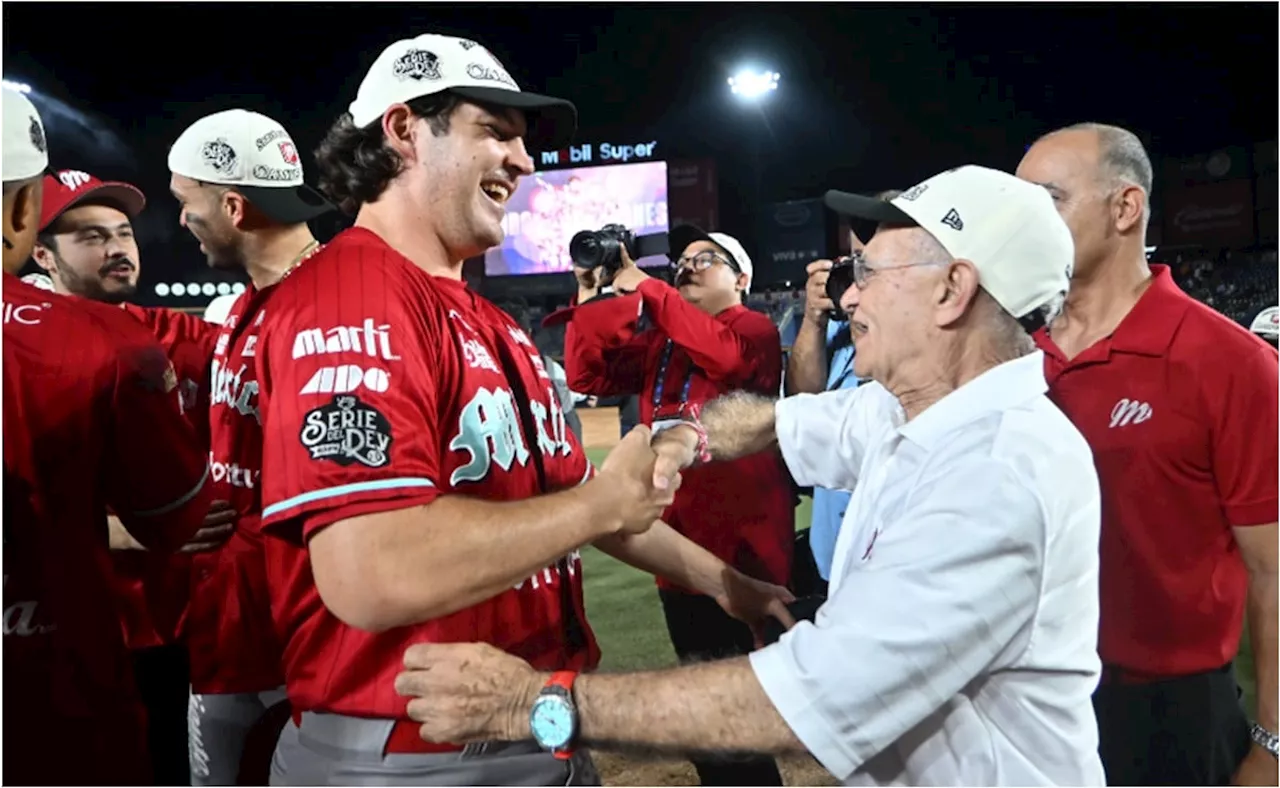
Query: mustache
x,y
117,262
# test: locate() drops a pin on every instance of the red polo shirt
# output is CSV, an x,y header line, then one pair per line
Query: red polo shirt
x,y
1179,406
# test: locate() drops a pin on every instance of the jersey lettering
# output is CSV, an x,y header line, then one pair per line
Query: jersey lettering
x,y
229,390
20,618
489,431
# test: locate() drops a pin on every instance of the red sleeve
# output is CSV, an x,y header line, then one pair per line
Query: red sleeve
x,y
721,353
171,326
603,353
158,473
760,335
349,368
1243,409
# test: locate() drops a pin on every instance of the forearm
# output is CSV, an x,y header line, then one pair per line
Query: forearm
x,y
715,707
663,552
718,350
399,568
739,424
807,365
1263,612
118,537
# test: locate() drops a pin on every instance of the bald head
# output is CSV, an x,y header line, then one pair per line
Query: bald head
x,y
1100,179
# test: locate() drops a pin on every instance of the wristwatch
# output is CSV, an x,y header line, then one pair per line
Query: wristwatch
x,y
554,717
1265,739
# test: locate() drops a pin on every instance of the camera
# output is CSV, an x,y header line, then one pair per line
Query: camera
x,y
839,279
603,248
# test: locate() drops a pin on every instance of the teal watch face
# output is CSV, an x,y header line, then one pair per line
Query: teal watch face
x,y
552,722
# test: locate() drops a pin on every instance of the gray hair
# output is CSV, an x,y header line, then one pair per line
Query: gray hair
x,y
1123,158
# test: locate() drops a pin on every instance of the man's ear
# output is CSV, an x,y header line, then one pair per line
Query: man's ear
x,y
956,290
43,256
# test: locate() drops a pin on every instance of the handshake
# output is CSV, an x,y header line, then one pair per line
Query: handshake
x,y
640,476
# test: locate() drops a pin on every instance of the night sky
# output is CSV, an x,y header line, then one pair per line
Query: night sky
x,y
871,97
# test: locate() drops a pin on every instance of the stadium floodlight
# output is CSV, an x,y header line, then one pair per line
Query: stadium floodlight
x,y
751,85
21,87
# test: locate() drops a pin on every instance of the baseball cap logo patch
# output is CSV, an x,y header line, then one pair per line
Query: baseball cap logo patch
x,y
73,179
37,136
477,71
952,220
417,64
466,44
219,155
289,153
914,192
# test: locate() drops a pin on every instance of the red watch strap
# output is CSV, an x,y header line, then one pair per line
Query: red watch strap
x,y
563,679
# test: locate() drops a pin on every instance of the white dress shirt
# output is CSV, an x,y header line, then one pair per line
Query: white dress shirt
x,y
958,644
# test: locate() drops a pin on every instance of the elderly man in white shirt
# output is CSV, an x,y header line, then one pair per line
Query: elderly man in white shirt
x,y
958,644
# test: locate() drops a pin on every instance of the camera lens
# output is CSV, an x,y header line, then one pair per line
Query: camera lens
x,y
585,249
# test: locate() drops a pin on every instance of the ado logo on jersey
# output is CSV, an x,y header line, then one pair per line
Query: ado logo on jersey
x,y
348,432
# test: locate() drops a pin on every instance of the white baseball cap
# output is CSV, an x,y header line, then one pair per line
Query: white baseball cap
x,y
253,154
1008,228
26,149
1267,323
684,234
218,309
415,67
41,281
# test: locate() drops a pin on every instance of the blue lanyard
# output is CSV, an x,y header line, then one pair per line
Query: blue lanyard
x,y
661,383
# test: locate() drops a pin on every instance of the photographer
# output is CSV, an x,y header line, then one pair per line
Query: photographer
x,y
702,342
822,360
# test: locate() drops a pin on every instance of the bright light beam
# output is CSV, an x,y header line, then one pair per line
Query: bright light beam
x,y
21,87
753,85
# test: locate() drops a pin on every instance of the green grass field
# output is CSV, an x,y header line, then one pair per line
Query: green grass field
x,y
622,604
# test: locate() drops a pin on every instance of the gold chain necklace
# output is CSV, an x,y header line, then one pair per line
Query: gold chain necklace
x,y
307,252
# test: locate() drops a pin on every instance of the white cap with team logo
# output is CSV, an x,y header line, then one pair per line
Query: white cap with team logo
x,y
255,155
684,234
26,149
416,67
1008,228
1267,323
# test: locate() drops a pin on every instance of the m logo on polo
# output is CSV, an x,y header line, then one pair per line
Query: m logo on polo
x,y
346,431
489,431
417,64
1128,412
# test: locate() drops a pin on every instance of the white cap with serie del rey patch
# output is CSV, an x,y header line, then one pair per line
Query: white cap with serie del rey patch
x,y
428,64
1008,228
255,155
26,149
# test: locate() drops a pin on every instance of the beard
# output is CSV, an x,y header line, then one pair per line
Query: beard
x,y
97,286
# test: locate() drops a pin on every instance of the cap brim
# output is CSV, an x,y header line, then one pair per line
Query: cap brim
x,y
125,198
289,204
860,206
552,121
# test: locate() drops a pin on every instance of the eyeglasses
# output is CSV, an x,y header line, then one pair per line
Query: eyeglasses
x,y
862,271
702,261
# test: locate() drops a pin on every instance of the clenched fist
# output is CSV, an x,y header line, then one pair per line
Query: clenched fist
x,y
816,304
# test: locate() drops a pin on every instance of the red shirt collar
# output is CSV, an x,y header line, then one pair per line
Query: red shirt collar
x,y
1149,327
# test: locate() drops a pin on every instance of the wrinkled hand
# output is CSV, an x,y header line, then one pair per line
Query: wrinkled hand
x,y
468,692
218,526
816,303
753,602
626,480
1259,767
674,448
